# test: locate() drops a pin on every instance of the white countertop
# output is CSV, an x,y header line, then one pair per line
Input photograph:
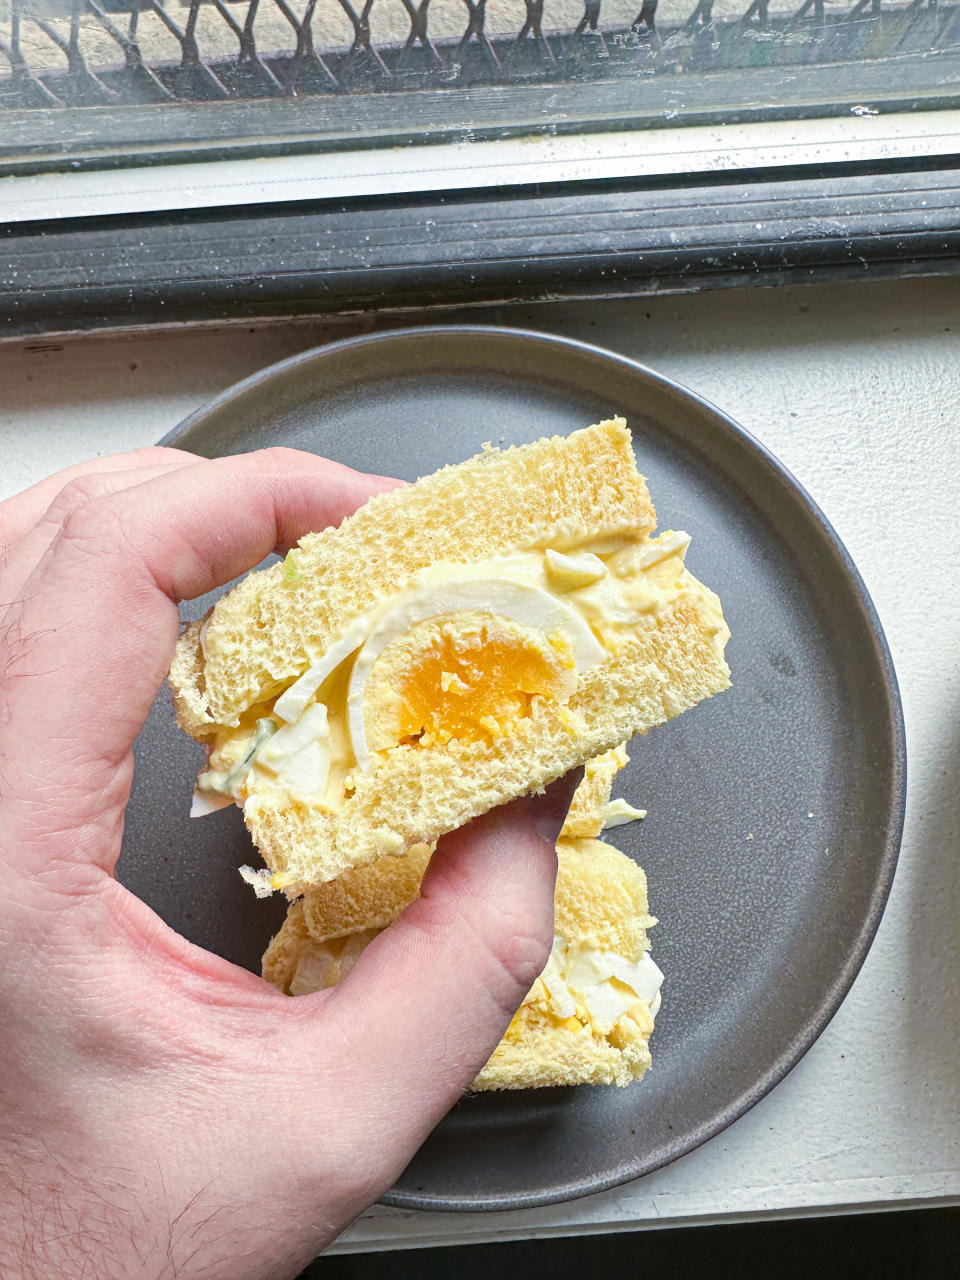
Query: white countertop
x,y
857,389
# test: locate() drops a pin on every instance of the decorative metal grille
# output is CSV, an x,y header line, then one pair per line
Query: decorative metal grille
x,y
79,53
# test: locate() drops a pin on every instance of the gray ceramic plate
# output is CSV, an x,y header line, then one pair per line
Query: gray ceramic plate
x,y
774,811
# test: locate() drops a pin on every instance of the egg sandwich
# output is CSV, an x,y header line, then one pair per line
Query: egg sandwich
x,y
587,1018
453,644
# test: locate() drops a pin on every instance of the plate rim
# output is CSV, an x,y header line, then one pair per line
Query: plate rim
x,y
888,688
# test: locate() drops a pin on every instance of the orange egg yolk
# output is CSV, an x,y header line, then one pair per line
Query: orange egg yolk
x,y
476,686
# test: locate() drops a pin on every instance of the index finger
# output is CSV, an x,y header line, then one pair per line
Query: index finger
x,y
19,513
23,557
89,643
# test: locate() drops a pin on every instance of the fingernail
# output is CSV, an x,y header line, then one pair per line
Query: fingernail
x,y
550,809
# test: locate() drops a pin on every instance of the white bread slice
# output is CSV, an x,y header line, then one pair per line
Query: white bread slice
x,y
372,895
554,493
600,902
562,493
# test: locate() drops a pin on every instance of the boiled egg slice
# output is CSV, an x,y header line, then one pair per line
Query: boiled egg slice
x,y
298,755
555,624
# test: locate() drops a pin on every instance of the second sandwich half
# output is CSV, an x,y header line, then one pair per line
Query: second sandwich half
x,y
588,1017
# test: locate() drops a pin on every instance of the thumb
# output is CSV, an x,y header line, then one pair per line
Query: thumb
x,y
430,998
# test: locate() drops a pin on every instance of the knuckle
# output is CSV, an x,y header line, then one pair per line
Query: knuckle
x,y
76,492
93,522
152,455
279,458
509,954
92,485
506,950
508,935
521,951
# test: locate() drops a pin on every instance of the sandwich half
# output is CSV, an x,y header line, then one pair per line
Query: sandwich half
x,y
588,1017
452,645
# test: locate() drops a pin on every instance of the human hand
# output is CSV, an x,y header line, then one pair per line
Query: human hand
x,y
163,1112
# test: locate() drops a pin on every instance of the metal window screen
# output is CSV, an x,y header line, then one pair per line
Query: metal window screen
x,y
656,59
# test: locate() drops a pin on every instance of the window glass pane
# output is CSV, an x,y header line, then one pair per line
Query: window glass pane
x,y
89,81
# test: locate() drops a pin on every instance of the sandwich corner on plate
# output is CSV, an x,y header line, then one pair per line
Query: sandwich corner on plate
x,y
587,1018
452,645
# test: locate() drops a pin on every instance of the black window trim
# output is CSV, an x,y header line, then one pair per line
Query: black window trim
x,y
391,254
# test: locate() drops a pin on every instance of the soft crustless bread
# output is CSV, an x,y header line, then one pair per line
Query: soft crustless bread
x,y
575,495
600,902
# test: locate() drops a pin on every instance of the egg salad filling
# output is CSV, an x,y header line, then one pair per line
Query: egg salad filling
x,y
581,988
461,652
586,989
326,963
